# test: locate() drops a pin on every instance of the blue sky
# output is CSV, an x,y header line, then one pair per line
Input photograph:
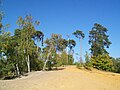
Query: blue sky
x,y
66,16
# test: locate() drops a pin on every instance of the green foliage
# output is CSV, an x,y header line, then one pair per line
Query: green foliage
x,y
26,45
38,35
55,47
18,52
116,65
98,40
87,60
49,65
70,60
79,34
36,65
6,68
64,58
71,44
102,62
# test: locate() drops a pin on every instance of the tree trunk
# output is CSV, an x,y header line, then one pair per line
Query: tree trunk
x,y
28,63
46,59
68,50
38,45
67,59
81,50
41,53
45,65
18,72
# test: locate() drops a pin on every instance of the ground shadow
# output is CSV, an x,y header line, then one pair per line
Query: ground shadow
x,y
57,69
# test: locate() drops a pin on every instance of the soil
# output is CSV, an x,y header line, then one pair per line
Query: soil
x,y
65,78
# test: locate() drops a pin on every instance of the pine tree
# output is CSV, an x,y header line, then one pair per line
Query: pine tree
x,y
99,41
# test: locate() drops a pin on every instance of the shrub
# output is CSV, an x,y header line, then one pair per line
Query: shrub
x,y
116,65
102,62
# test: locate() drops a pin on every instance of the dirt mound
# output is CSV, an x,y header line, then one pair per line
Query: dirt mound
x,y
65,78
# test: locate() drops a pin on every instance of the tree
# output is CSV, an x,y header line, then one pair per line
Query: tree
x,y
80,35
27,28
64,57
12,54
71,45
116,65
98,39
50,49
6,63
102,62
87,60
55,44
38,35
71,59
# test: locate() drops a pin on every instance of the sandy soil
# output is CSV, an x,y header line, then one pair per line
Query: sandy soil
x,y
69,78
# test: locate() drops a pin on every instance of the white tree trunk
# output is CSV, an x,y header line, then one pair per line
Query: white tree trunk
x,y
28,63
46,59
45,65
81,50
68,49
18,72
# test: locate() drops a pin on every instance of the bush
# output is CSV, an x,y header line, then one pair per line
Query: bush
x,y
36,65
102,62
116,65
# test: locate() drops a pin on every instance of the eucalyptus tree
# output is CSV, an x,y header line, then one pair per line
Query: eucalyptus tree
x,y
71,45
62,44
11,56
4,53
26,25
49,49
54,44
2,32
58,42
38,35
80,35
15,50
4,44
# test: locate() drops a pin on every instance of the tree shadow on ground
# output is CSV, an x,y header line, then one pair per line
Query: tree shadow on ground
x,y
57,69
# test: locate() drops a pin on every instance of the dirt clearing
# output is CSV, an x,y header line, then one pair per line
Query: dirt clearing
x,y
68,78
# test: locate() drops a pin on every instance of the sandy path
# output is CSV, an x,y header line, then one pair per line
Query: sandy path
x,y
70,78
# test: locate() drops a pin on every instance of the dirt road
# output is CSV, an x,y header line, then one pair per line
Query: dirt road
x,y
69,78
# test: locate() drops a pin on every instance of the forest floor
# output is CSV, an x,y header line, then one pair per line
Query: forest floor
x,y
66,78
